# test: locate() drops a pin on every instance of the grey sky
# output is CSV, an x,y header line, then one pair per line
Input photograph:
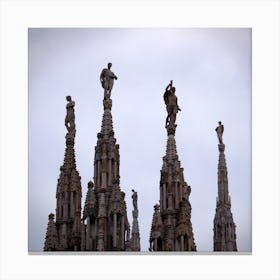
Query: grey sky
x,y
211,70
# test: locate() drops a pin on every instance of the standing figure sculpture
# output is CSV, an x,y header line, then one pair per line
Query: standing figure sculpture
x,y
107,78
172,107
70,116
220,130
134,199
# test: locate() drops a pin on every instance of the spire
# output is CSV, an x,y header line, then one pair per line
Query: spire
x,y
51,240
69,191
135,235
224,226
156,231
90,203
223,194
105,223
174,213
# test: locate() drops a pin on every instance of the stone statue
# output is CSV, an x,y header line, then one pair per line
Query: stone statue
x,y
220,130
172,107
134,199
107,78
70,116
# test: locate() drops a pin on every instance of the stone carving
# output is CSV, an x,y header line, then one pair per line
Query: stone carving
x,y
220,130
70,117
107,78
172,107
134,200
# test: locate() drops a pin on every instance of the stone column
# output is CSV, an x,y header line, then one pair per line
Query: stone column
x,y
114,230
122,232
98,177
176,195
155,244
164,196
169,201
182,242
88,234
110,172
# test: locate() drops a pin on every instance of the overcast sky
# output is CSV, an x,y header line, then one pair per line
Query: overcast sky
x,y
211,70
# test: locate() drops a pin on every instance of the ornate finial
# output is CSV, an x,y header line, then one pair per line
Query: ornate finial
x,y
107,78
70,118
172,108
220,130
51,216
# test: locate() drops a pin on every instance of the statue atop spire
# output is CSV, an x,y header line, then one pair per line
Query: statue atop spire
x,y
134,200
220,131
70,117
224,226
107,78
64,234
171,225
135,235
172,108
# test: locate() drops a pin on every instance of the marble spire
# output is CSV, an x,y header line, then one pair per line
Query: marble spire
x,y
135,234
51,240
69,190
224,226
105,224
174,232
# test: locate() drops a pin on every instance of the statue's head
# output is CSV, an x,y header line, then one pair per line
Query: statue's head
x,y
219,122
109,65
68,98
90,184
173,89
